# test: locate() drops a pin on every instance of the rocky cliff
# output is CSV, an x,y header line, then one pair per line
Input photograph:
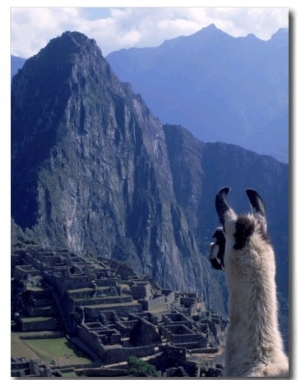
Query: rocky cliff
x,y
94,171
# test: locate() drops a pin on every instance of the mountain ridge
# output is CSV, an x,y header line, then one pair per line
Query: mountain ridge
x,y
219,87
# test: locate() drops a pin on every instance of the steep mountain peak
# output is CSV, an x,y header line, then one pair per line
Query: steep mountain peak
x,y
210,30
281,32
209,34
68,43
72,53
281,37
70,66
211,27
78,38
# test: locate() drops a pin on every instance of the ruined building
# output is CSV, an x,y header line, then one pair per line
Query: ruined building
x,y
105,309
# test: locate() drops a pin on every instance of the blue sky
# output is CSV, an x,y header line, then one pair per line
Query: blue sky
x,y
96,13
123,27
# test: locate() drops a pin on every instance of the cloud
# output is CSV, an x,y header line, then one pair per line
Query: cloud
x,y
117,28
263,22
32,28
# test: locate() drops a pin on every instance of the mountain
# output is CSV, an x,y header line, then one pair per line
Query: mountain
x,y
16,64
94,171
199,169
221,88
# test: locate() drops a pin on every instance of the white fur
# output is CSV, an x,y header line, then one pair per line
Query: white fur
x,y
254,345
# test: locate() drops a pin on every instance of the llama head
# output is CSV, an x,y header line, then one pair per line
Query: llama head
x,y
247,242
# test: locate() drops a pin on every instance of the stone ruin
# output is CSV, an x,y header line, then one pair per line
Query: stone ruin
x,y
22,367
110,314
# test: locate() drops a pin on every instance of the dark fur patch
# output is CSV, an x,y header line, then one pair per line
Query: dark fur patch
x,y
265,237
244,228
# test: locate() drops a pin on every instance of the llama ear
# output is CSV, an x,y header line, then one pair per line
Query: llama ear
x,y
224,211
258,206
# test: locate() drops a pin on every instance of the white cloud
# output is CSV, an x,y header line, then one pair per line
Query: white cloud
x,y
32,28
263,22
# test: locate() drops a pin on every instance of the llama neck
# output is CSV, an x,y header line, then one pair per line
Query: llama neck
x,y
253,312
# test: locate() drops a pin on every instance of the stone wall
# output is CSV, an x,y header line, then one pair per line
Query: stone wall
x,y
107,282
125,327
172,352
176,318
169,295
104,300
141,290
21,367
106,335
146,315
39,324
63,283
121,309
90,338
178,334
111,353
21,272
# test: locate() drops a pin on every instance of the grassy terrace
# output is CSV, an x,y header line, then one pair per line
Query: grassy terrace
x,y
37,289
90,291
35,319
113,306
61,351
85,292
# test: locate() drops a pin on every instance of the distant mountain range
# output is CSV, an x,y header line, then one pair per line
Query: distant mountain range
x,y
94,171
221,88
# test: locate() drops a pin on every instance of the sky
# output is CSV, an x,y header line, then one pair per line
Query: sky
x,y
115,28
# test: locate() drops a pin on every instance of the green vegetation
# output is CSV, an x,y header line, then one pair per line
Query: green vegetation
x,y
139,368
35,319
57,350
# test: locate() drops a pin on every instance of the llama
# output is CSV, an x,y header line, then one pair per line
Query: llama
x,y
254,345
217,249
